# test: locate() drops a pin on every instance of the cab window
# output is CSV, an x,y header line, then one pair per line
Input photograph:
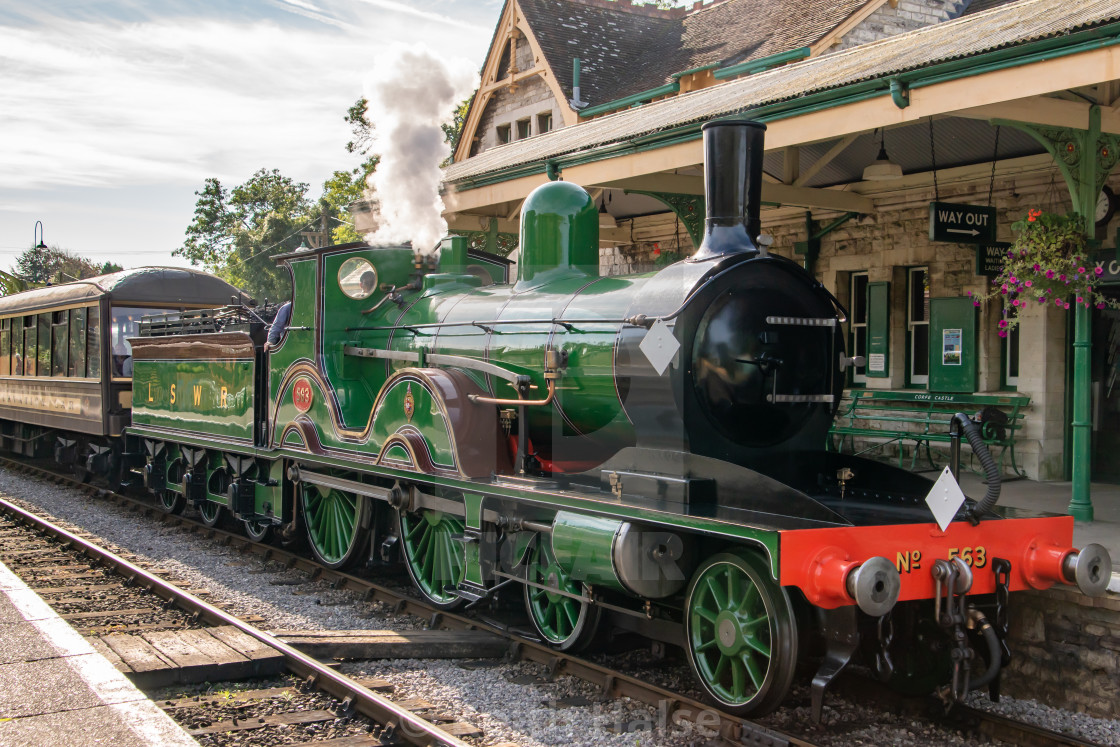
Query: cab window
x,y
124,323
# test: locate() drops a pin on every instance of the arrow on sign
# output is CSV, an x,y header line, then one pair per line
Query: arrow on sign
x,y
970,232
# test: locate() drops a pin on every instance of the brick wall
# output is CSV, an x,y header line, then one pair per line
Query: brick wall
x,y
1065,651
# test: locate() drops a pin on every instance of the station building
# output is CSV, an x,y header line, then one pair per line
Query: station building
x,y
875,110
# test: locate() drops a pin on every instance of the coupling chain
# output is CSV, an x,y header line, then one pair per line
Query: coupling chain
x,y
884,667
957,578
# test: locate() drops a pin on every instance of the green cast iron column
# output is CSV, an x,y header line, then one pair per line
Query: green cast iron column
x,y
1085,158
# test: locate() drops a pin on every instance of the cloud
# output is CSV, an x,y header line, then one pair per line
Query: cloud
x,y
134,97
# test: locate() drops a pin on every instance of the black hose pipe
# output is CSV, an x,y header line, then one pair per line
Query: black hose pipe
x,y
995,655
991,469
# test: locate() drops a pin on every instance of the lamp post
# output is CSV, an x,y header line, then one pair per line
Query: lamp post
x,y
39,235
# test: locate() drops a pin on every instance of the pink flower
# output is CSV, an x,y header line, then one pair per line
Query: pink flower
x,y
1080,270
1099,271
969,293
1050,274
1002,333
1013,279
1015,302
1037,267
1042,299
1079,299
1057,302
1100,305
975,303
1028,284
1065,305
1002,323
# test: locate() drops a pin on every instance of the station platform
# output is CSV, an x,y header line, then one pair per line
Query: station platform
x,y
55,689
1054,497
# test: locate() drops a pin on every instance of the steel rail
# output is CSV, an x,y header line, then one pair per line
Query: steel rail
x,y
406,724
614,684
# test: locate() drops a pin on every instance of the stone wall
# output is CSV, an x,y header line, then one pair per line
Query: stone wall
x,y
906,15
1065,651
531,98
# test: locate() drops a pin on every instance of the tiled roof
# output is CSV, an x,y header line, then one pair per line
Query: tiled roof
x,y
625,49
1017,23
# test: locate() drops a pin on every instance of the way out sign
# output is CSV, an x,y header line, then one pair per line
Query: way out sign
x,y
962,224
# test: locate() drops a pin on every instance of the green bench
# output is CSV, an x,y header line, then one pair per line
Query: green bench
x,y
887,416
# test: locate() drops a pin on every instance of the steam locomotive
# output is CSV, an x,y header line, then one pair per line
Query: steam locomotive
x,y
640,453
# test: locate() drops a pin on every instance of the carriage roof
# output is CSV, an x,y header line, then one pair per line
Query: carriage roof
x,y
165,286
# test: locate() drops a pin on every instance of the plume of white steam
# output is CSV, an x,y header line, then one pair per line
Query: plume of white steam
x,y
412,94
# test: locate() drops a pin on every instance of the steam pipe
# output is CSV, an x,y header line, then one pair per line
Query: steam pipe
x,y
478,398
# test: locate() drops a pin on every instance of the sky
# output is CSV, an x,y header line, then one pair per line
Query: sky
x,y
114,112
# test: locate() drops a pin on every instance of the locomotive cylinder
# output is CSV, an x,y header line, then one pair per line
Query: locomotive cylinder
x,y
620,555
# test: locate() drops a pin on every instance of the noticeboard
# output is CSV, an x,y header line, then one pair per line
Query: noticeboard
x,y
952,345
878,330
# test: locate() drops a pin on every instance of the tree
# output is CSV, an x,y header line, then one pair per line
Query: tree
x,y
109,267
454,129
235,233
53,265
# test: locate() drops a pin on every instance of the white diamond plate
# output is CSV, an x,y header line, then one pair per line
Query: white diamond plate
x,y
659,346
945,499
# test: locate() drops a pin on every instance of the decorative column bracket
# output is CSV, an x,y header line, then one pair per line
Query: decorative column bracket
x,y
811,247
1085,158
688,208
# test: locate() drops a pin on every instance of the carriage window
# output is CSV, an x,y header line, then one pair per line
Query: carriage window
x,y
29,347
5,347
77,362
60,343
17,346
125,323
44,348
357,278
93,342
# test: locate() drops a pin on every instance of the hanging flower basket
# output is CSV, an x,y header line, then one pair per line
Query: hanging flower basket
x,y
1047,264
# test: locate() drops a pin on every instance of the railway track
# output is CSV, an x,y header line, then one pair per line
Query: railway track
x,y
145,602
612,684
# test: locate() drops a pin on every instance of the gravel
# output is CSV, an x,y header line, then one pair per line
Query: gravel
x,y
510,702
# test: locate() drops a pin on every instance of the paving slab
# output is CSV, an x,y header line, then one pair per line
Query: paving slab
x,y
56,689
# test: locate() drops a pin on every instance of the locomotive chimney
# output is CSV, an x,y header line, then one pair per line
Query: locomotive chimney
x,y
732,187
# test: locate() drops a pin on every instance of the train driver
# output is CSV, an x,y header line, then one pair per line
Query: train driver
x,y
279,326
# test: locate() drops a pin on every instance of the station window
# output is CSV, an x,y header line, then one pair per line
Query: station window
x,y
858,303
544,122
60,343
77,357
503,134
93,342
917,324
5,347
17,346
523,128
1011,359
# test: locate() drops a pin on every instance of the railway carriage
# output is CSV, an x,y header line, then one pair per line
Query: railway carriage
x,y
65,359
636,453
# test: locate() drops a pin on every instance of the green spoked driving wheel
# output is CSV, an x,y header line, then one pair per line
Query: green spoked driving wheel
x,y
210,513
741,634
433,556
563,622
336,525
170,501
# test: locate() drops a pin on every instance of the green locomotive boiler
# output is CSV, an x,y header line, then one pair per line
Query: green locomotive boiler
x,y
639,453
